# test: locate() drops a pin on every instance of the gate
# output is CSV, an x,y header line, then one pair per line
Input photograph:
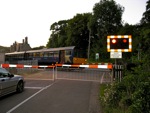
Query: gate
x,y
97,73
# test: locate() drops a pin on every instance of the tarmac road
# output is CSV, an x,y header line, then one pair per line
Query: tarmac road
x,y
47,96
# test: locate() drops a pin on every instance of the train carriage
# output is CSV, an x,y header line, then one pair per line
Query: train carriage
x,y
63,55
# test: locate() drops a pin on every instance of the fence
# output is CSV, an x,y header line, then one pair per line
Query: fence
x,y
97,73
117,72
27,69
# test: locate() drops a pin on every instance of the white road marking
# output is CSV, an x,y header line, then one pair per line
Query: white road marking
x,y
102,78
11,110
34,87
37,79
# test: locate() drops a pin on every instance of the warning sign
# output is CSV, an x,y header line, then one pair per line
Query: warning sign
x,y
115,54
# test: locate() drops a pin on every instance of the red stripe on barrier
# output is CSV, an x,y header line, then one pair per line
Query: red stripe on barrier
x,y
20,66
5,65
35,66
50,66
109,66
58,64
93,66
75,66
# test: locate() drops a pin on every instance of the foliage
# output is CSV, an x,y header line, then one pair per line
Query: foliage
x,y
4,49
106,20
59,34
40,47
146,15
73,32
77,31
131,95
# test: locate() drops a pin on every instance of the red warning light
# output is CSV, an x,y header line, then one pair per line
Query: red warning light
x,y
114,41
124,40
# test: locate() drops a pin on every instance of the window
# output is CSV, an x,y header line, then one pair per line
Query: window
x,y
80,53
56,54
51,54
36,54
45,54
68,52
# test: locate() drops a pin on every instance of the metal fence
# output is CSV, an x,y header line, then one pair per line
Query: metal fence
x,y
84,74
117,72
15,70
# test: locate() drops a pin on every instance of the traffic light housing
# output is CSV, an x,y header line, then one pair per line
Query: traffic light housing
x,y
119,43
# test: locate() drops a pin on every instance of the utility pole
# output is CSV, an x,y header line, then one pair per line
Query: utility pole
x,y
89,45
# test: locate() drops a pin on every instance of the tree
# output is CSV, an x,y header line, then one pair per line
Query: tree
x,y
73,32
77,31
106,20
59,34
146,14
145,29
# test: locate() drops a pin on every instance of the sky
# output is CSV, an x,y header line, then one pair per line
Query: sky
x,y
33,18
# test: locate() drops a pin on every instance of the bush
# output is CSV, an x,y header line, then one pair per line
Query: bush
x,y
131,95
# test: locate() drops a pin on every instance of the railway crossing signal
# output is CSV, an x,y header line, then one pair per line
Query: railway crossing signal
x,y
119,43
116,44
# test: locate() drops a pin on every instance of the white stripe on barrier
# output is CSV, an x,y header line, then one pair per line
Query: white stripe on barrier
x,y
66,65
102,66
86,66
11,65
27,66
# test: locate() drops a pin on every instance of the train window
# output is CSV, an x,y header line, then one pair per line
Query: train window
x,y
56,54
45,54
51,54
68,52
30,54
41,54
36,54
80,53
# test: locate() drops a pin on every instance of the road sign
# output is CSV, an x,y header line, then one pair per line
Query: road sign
x,y
97,56
115,54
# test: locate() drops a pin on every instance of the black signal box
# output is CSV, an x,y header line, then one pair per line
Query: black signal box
x,y
119,43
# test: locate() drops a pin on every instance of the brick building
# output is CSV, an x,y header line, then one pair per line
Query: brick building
x,y
24,46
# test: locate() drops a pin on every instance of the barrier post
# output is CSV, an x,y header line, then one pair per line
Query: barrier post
x,y
54,73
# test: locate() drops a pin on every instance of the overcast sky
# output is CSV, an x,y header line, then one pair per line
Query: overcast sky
x,y
33,18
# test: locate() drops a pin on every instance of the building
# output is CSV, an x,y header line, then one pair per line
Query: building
x,y
24,46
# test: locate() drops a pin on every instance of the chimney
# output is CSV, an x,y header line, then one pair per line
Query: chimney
x,y
26,40
23,41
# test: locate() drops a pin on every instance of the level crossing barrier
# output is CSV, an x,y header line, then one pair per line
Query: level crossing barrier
x,y
100,73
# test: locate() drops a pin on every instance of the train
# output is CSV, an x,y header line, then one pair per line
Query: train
x,y
49,56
